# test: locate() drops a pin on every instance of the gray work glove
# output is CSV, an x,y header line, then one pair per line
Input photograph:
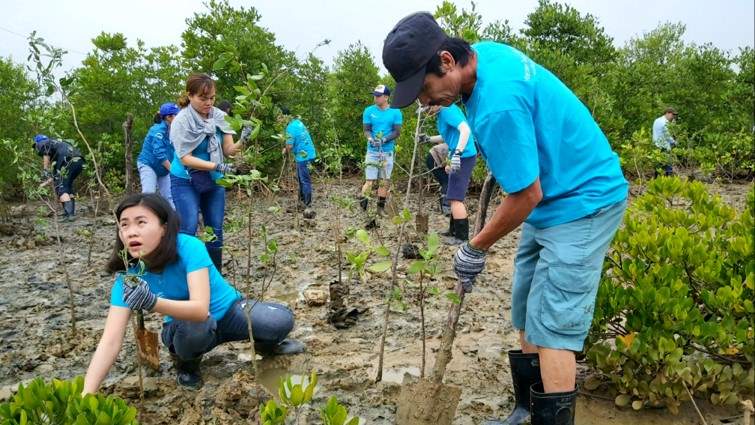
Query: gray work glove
x,y
376,142
456,161
225,168
424,138
468,263
139,297
245,133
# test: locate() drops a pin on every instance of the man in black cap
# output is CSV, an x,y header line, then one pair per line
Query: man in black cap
x,y
564,185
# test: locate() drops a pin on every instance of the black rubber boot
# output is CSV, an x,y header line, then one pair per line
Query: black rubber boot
x,y
525,372
187,372
216,255
451,227
381,205
70,210
460,232
364,202
552,408
287,346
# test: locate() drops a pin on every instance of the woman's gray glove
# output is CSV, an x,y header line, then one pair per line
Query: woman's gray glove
x,y
245,133
225,168
139,296
468,263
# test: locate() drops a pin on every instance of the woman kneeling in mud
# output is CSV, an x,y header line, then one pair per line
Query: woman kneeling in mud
x,y
201,309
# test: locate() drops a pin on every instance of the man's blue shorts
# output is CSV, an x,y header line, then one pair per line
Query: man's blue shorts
x,y
556,278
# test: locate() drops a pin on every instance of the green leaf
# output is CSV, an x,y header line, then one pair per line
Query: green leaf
x,y
363,236
219,64
453,297
622,400
416,266
380,267
382,251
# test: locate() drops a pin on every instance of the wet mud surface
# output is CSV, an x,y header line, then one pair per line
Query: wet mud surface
x,y
36,339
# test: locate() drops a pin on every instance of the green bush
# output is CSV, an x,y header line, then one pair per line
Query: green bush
x,y
61,402
726,155
675,305
639,157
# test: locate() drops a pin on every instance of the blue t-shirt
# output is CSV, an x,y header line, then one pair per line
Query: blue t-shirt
x,y
177,169
528,124
382,121
157,148
448,120
173,285
301,142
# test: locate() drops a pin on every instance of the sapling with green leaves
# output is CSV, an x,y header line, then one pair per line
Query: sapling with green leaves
x,y
424,270
358,259
296,396
334,413
399,221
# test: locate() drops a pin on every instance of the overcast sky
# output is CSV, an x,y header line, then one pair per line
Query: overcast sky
x,y
300,25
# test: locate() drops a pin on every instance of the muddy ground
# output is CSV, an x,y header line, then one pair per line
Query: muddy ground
x,y
36,337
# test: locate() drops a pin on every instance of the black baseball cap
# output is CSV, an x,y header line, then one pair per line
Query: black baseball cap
x,y
406,51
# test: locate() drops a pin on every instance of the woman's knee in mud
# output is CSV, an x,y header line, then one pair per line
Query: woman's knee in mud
x,y
192,339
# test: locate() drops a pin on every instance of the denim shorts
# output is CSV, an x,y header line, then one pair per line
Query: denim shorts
x,y
556,278
378,165
458,181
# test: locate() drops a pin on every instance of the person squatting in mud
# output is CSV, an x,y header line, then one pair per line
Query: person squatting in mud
x,y
462,157
61,164
201,309
382,126
564,185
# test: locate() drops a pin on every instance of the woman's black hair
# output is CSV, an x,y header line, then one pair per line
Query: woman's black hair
x,y
226,107
458,48
166,251
157,119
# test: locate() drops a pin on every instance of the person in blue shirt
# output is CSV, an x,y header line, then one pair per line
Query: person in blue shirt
x,y
153,162
299,142
170,273
564,184
202,140
381,125
663,140
462,157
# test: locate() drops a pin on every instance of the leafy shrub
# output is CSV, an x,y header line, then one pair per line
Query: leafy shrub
x,y
61,402
727,155
675,305
639,157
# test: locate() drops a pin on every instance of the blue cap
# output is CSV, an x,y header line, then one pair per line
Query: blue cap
x,y
381,90
39,138
169,108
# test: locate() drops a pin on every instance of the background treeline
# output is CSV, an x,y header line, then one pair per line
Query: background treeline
x,y
625,87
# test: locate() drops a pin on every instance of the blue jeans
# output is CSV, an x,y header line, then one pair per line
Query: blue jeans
x,y
556,278
151,182
305,183
189,203
271,323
